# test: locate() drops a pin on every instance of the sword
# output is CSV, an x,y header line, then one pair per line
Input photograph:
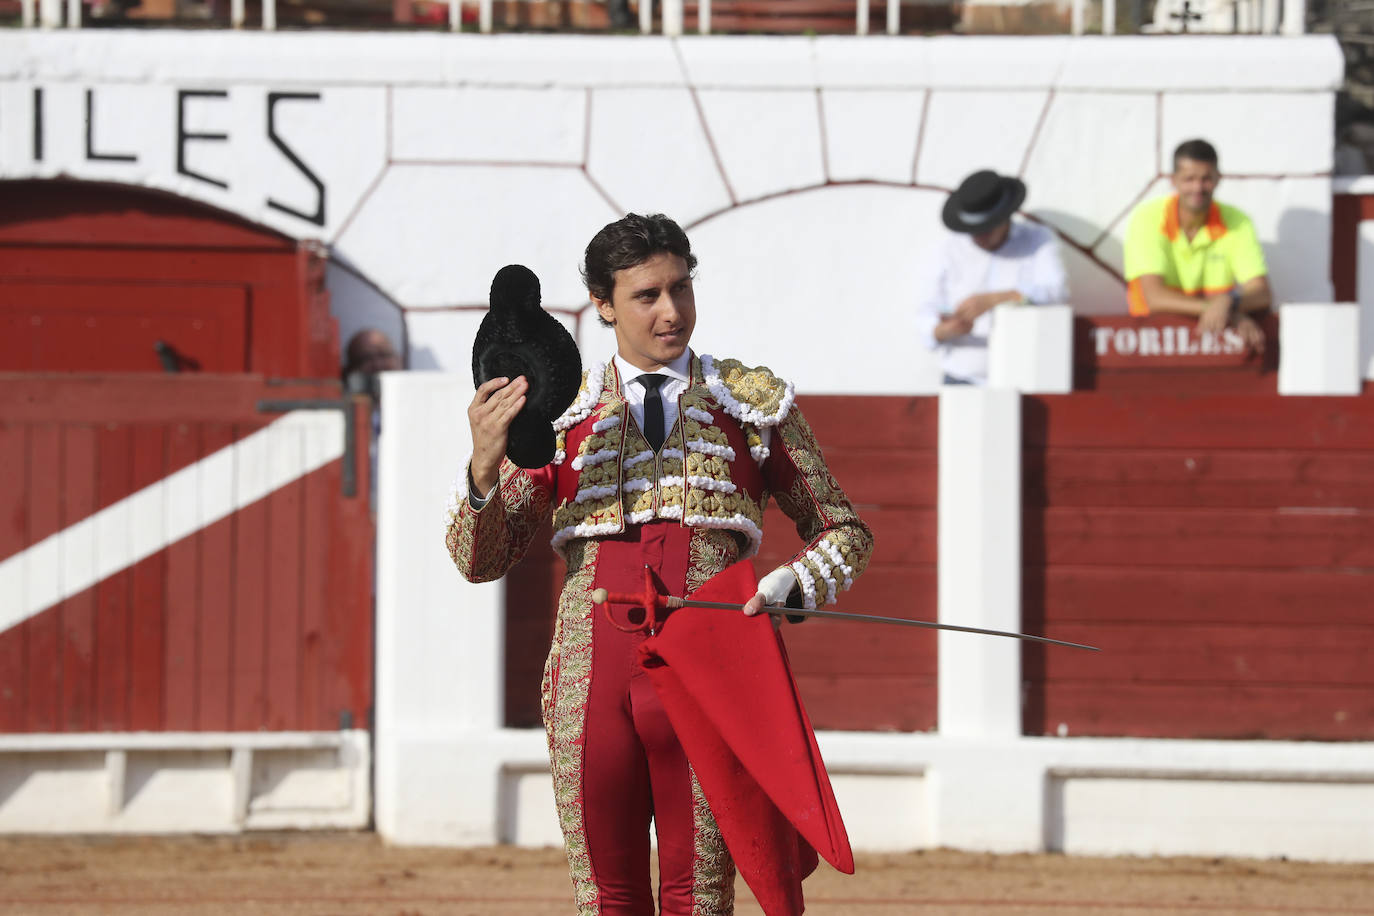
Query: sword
x,y
651,599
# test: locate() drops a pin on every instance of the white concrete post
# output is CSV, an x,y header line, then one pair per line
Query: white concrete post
x,y
1245,16
1108,17
440,640
1031,349
1294,17
269,15
894,16
1269,16
455,15
861,18
73,14
672,18
646,16
979,565
50,13
704,17
1364,295
27,10
236,14
1319,348
1077,16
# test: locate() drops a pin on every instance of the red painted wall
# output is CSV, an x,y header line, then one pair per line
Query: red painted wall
x,y
869,677
1219,547
1347,212
1215,539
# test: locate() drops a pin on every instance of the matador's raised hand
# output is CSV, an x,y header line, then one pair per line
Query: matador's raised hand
x,y
493,407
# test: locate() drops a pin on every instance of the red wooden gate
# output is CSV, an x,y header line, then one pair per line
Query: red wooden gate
x,y
179,550
258,618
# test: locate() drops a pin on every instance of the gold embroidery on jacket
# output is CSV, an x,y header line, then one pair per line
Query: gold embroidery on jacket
x,y
838,542
709,551
757,387
505,526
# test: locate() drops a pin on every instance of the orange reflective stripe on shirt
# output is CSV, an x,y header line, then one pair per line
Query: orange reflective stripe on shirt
x,y
1170,227
1216,226
1135,295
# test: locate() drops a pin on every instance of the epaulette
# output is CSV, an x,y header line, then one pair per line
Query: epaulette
x,y
593,379
586,399
751,395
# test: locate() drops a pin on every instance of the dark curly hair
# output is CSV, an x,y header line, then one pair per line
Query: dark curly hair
x,y
627,242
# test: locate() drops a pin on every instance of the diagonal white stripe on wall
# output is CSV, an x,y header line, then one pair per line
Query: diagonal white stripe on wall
x,y
178,505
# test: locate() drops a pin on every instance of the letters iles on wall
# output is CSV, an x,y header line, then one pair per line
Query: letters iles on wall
x,y
192,107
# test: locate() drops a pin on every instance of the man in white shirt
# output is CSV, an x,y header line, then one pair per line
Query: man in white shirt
x,y
987,259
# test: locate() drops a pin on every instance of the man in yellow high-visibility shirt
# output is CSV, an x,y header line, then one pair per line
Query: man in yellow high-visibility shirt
x,y
1190,255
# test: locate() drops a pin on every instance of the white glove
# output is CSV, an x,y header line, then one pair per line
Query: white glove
x,y
777,585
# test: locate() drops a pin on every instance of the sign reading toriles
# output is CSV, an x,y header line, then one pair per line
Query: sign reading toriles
x,y
1162,342
1146,342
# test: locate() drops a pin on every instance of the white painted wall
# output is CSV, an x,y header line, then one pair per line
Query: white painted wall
x,y
183,782
809,171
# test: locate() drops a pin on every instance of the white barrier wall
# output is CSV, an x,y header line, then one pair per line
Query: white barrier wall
x,y
185,782
808,171
448,773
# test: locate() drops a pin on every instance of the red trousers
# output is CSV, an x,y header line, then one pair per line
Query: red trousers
x,y
633,768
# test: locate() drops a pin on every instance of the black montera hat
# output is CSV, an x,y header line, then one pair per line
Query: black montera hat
x,y
517,337
983,201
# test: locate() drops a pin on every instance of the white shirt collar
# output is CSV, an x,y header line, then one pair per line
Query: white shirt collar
x,y
677,369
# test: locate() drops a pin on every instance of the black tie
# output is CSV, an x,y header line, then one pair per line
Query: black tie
x,y
653,409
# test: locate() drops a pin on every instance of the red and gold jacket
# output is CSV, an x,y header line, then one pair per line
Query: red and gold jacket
x,y
738,441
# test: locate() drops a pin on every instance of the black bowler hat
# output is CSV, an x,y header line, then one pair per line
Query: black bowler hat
x,y
983,201
517,337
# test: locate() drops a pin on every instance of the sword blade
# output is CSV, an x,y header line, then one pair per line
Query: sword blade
x,y
892,621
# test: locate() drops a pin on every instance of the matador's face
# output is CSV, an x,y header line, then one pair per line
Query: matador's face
x,y
653,310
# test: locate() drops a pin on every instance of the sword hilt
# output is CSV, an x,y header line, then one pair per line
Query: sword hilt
x,y
601,596
650,600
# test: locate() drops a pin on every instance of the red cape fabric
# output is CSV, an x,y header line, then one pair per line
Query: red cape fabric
x,y
725,683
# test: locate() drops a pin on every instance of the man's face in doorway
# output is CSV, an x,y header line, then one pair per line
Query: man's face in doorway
x,y
1195,183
